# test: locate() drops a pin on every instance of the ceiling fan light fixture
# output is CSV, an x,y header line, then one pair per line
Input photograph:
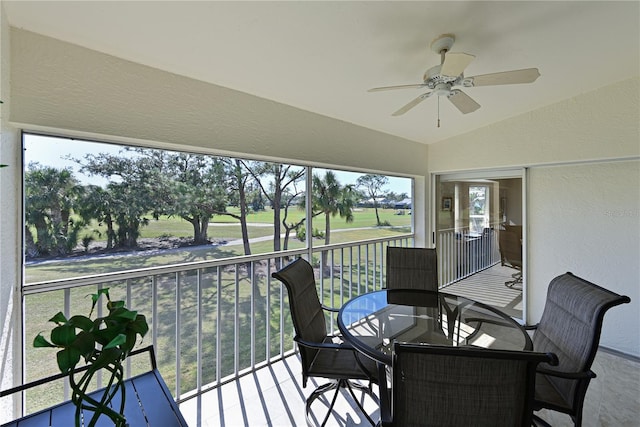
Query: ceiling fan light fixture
x,y
442,89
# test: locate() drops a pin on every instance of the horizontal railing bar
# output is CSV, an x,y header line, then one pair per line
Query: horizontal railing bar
x,y
38,287
361,242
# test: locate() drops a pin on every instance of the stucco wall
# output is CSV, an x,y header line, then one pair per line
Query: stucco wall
x,y
586,219
9,231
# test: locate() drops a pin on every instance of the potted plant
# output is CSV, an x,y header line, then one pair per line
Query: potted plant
x,y
104,343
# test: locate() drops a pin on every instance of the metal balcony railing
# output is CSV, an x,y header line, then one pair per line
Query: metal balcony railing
x,y
213,321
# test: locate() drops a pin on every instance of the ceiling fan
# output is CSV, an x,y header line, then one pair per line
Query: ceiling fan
x,y
442,79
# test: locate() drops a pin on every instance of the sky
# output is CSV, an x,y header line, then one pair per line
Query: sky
x,y
51,151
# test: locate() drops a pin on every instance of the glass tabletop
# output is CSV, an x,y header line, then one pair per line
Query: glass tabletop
x,y
372,322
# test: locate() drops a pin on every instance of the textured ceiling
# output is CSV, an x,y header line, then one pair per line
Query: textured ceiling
x,y
323,56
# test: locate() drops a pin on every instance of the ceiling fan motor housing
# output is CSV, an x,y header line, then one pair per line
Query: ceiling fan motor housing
x,y
441,85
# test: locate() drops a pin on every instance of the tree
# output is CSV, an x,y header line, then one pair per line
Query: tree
x,y
238,186
133,185
281,178
331,199
98,203
50,197
195,190
372,185
289,200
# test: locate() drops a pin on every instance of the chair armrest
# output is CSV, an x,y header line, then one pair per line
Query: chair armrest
x,y
334,310
324,346
567,375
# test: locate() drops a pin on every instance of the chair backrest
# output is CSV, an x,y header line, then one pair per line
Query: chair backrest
x,y
570,327
306,310
412,268
457,386
510,244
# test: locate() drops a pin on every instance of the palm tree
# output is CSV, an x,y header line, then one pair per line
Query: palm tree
x,y
331,199
50,196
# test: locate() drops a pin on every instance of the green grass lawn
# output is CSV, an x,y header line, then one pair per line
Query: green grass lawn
x,y
363,227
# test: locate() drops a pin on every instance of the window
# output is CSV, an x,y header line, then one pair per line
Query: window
x,y
478,208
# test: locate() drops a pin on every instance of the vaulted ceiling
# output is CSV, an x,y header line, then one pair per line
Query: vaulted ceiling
x,y
324,56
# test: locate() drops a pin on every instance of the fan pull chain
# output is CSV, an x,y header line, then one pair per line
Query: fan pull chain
x,y
438,111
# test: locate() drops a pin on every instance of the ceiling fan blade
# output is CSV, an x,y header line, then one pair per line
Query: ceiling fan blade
x,y
463,102
412,104
455,63
415,86
527,75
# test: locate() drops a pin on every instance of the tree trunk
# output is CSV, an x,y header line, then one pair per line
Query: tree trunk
x,y
277,196
111,234
327,237
30,246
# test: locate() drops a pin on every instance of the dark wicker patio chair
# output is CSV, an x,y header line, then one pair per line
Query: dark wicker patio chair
x,y
412,268
323,355
460,386
570,327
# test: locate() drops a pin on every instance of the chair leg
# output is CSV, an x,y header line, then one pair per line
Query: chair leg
x,y
337,385
517,279
366,390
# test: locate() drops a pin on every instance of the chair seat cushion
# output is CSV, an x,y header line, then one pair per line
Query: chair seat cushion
x,y
339,364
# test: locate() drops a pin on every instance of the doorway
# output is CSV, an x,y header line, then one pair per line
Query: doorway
x,y
479,237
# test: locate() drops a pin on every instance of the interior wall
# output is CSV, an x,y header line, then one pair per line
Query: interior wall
x,y
586,219
582,215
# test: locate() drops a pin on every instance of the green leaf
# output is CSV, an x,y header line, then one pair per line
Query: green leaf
x,y
105,336
118,340
95,297
139,325
85,344
126,314
40,341
63,335
58,318
81,322
68,359
112,305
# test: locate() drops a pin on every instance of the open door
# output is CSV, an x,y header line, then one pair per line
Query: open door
x,y
474,214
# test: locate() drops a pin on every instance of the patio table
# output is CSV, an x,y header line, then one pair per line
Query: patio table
x,y
372,322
